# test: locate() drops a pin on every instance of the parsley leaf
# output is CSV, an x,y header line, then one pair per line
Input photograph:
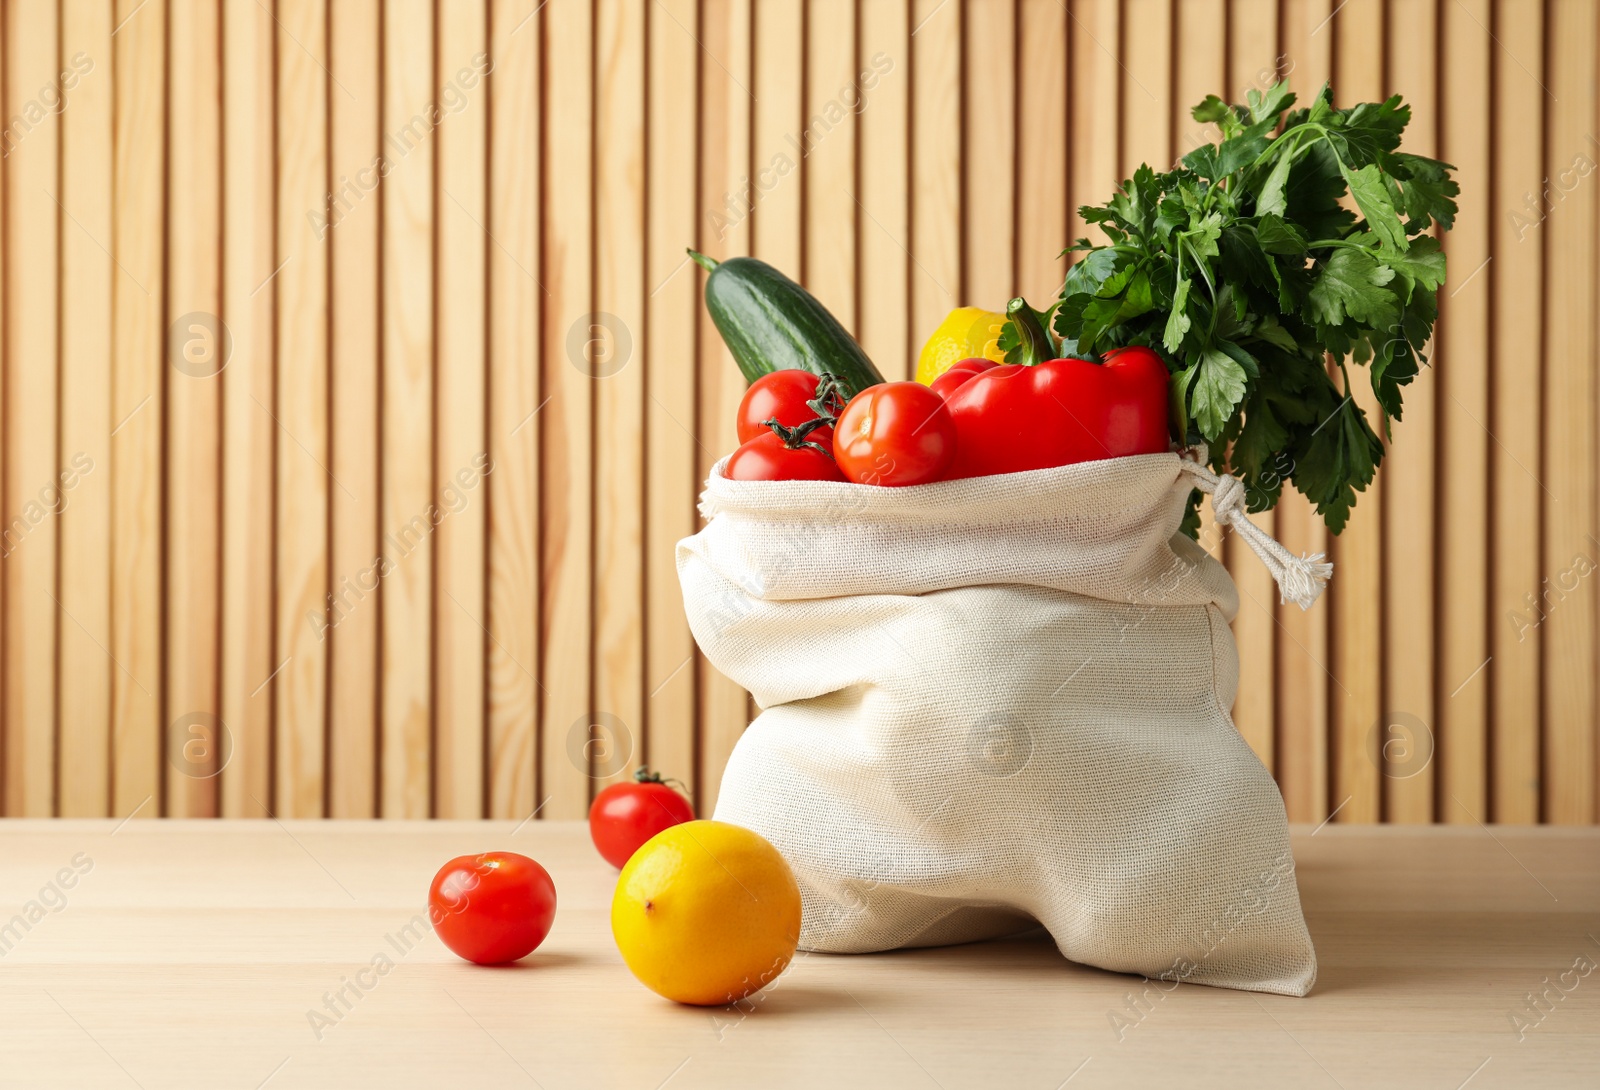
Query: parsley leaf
x,y
1178,321
1422,264
1219,386
1372,197
1428,190
1352,283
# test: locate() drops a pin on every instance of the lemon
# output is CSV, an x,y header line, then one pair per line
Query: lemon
x,y
706,913
965,332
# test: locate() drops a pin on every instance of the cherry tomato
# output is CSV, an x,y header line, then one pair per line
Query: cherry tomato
x,y
625,815
492,908
897,433
770,457
960,371
780,395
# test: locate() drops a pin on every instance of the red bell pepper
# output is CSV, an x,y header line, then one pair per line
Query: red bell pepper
x,y
1018,417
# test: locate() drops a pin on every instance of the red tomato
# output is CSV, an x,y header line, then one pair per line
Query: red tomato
x,y
625,815
770,457
959,373
492,908
896,433
781,395
1057,413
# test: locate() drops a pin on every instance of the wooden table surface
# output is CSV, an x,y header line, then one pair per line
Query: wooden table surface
x,y
190,954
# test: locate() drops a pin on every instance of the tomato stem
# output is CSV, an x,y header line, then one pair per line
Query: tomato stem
x,y
796,437
831,397
642,774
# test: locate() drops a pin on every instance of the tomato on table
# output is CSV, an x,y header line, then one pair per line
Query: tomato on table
x,y
899,433
625,815
492,908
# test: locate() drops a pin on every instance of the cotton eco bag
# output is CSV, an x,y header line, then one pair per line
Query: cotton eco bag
x,y
1000,702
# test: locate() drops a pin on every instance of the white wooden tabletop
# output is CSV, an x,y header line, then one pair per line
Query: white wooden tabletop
x,y
204,954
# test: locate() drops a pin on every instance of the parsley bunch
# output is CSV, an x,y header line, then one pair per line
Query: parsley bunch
x,y
1243,268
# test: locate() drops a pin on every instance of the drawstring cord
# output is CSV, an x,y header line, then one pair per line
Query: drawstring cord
x,y
1300,579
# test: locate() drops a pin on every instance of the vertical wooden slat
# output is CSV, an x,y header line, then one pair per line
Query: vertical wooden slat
x,y
192,456
779,124
1571,552
614,361
351,221
300,658
461,450
882,91
935,165
1252,51
6,541
32,487
672,456
138,348
1095,104
1147,85
567,565
1303,657
1516,639
989,148
248,291
1306,46
831,208
84,684
1042,150
408,408
1358,552
1408,473
515,298
725,105
1462,337
1200,53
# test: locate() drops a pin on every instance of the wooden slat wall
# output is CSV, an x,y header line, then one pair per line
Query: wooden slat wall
x,y
1461,408
356,386
354,354
1516,272
86,423
249,432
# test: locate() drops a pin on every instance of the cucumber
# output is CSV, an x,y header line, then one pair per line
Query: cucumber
x,y
770,323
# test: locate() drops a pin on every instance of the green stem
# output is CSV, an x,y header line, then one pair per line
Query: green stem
x,y
832,396
1037,347
1292,135
706,263
800,435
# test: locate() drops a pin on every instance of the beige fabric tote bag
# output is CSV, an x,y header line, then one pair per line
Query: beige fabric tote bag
x,y
995,703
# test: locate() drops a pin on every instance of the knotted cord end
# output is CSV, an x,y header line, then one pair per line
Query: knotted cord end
x,y
1300,579
1304,579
